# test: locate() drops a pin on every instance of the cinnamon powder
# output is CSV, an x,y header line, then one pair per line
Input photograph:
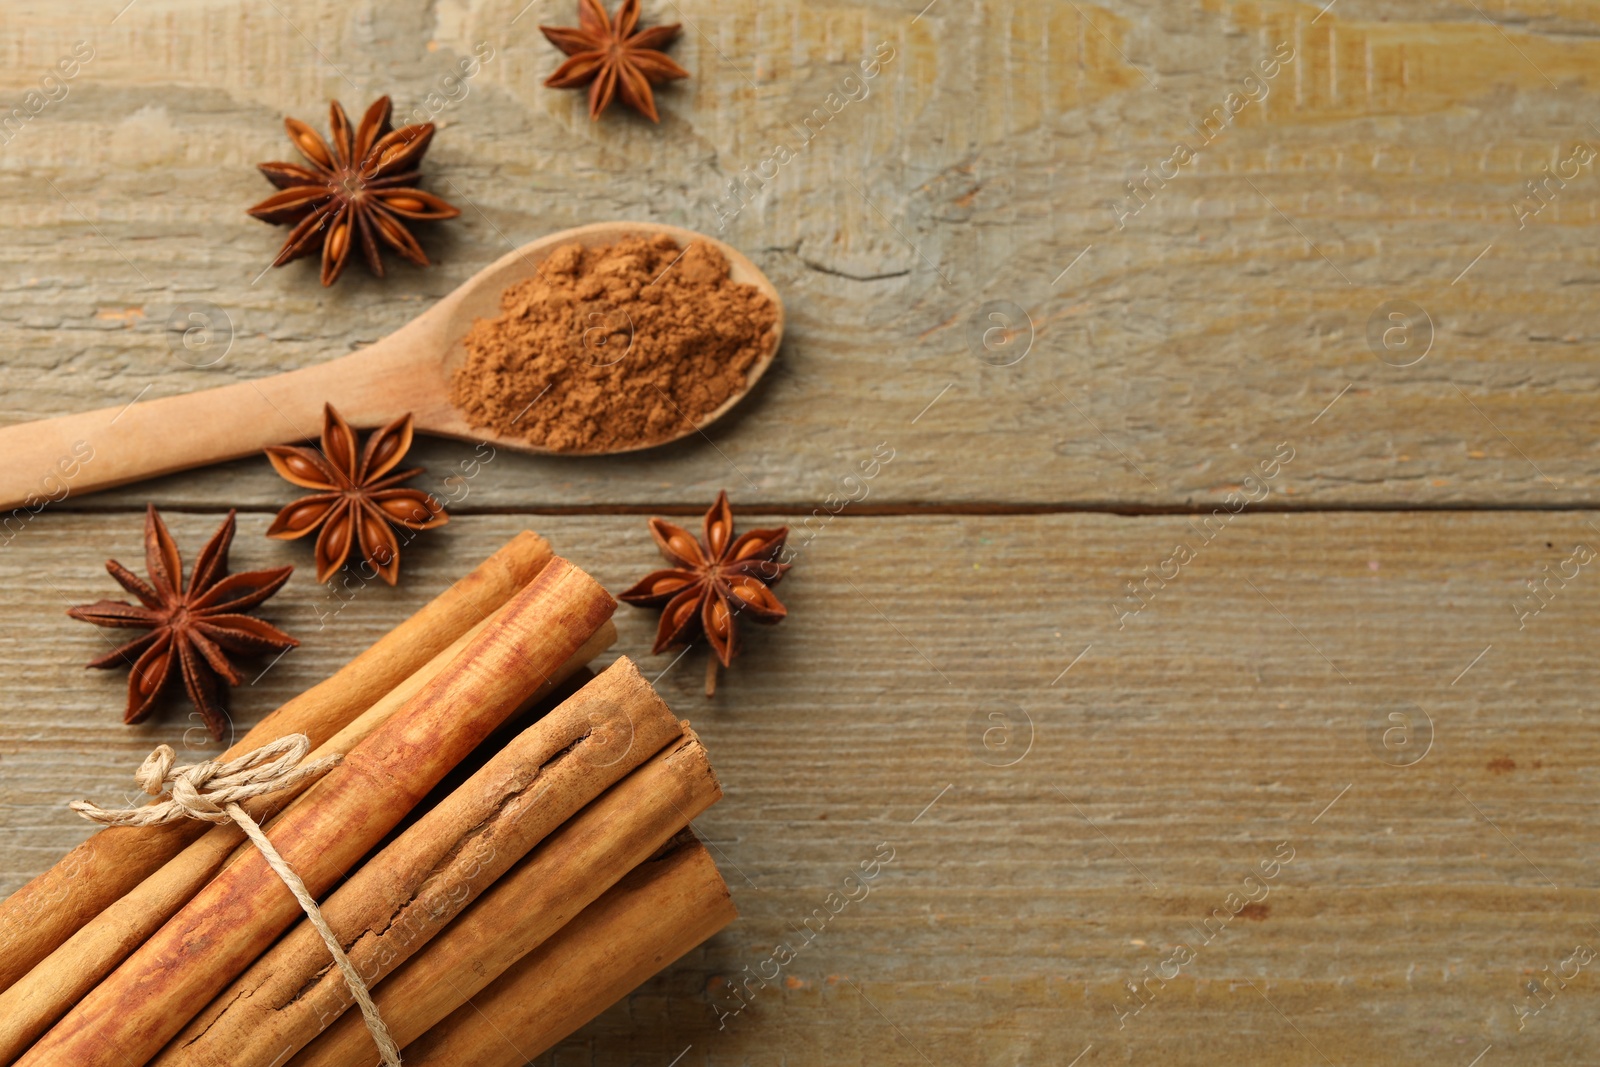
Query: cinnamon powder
x,y
613,347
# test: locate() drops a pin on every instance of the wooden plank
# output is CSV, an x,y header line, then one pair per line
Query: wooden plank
x,y
1177,351
1242,708
1384,163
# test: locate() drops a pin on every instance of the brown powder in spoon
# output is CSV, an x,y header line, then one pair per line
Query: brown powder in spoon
x,y
613,347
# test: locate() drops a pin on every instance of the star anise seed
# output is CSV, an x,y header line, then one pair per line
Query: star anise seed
x,y
612,59
356,502
194,628
717,581
363,183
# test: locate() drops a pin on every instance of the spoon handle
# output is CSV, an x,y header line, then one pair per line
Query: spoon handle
x,y
48,460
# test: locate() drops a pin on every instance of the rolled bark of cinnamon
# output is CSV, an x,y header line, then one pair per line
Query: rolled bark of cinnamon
x,y
405,895
657,913
36,919
562,876
127,1019
43,995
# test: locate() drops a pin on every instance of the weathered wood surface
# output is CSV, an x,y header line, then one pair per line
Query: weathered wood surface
x,y
986,156
1149,780
1179,354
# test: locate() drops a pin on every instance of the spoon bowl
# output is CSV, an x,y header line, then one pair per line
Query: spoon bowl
x,y
407,371
480,299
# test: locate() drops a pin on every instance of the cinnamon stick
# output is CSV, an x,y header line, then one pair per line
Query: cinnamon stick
x,y
126,1020
42,996
657,913
533,900
404,896
37,918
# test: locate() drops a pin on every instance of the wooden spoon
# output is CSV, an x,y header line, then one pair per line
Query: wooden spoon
x,y
409,370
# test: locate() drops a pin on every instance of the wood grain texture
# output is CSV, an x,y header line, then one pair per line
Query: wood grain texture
x,y
985,157
1228,316
1156,774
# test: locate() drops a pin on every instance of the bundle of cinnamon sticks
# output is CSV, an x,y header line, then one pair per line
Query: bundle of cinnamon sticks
x,y
543,885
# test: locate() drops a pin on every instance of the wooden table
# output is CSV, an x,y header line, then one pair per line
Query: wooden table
x,y
1342,678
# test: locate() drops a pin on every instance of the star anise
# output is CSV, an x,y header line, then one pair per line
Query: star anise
x,y
717,581
362,184
611,59
194,628
356,500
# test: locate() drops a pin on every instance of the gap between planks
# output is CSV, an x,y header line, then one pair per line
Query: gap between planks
x,y
912,510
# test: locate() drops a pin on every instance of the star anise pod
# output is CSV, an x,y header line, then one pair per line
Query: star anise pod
x,y
358,191
194,628
611,58
717,581
356,500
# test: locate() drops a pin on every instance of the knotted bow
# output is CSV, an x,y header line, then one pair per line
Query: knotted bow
x,y
204,790
212,791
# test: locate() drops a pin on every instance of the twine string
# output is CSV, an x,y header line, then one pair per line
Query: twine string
x,y
212,791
